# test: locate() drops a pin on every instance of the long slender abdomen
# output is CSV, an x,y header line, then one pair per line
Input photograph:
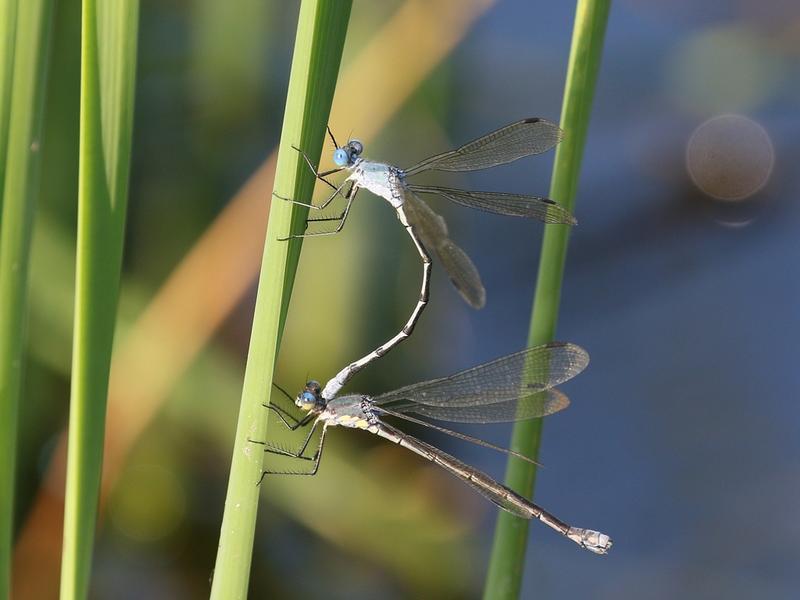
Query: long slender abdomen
x,y
505,498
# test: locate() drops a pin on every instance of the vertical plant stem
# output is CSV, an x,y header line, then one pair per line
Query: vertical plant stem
x,y
511,534
321,29
24,75
8,27
108,69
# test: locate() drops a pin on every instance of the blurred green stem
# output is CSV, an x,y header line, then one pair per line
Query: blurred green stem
x,y
504,578
8,27
108,69
23,65
321,29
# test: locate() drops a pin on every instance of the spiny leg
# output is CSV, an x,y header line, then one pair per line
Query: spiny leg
x,y
351,194
319,175
272,449
283,415
296,423
342,377
337,191
338,217
315,459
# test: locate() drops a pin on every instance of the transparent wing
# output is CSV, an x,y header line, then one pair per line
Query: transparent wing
x,y
507,144
462,272
511,377
432,230
516,205
456,434
532,406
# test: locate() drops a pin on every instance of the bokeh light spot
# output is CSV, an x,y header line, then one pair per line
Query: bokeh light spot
x,y
730,157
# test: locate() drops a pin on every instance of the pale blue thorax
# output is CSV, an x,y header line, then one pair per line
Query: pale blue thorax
x,y
381,179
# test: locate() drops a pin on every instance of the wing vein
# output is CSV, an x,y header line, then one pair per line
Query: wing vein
x,y
505,145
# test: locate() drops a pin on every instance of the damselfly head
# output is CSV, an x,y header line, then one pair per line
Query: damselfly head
x,y
309,398
347,155
356,148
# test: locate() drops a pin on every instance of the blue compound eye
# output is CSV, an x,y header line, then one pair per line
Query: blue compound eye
x,y
341,157
309,398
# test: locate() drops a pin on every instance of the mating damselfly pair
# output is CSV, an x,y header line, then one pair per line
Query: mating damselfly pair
x,y
515,387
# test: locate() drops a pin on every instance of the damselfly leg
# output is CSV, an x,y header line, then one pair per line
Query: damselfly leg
x,y
300,455
283,415
350,196
337,191
286,417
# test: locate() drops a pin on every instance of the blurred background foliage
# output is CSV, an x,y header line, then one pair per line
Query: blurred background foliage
x,y
680,282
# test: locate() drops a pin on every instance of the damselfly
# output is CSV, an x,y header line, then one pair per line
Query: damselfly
x,y
427,229
516,387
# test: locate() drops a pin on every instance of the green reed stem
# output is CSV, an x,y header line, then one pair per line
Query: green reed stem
x,y
108,69
506,564
321,30
23,76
